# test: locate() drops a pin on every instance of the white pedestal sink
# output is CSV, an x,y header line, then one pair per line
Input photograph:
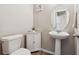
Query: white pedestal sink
x,y
58,36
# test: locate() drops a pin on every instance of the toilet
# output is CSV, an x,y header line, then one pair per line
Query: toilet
x,y
11,45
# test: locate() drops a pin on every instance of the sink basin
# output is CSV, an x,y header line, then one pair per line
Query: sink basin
x,y
59,35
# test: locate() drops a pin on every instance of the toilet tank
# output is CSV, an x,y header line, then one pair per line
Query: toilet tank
x,y
11,43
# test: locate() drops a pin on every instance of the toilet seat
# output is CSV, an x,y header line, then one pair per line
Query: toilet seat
x,y
21,51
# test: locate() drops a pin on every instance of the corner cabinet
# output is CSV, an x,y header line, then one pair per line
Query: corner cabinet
x,y
33,41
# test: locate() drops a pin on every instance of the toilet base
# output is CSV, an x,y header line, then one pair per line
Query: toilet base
x,y
21,51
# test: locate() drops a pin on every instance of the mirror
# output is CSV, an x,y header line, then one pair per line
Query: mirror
x,y
60,19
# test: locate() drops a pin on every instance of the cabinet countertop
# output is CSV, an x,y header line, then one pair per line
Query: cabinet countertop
x,y
33,32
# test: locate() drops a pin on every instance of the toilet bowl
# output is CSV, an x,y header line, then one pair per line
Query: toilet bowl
x,y
11,45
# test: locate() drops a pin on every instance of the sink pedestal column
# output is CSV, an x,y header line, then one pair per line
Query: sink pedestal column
x,y
58,47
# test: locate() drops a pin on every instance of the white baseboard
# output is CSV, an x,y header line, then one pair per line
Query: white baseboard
x,y
50,52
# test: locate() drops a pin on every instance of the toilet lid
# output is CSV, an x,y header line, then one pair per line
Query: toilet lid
x,y
21,51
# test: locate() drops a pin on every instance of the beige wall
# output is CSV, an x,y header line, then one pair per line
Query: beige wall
x,y
42,20
15,18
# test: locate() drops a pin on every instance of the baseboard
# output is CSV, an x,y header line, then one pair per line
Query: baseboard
x,y
50,52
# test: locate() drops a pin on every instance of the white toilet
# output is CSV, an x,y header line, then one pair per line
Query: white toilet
x,y
11,45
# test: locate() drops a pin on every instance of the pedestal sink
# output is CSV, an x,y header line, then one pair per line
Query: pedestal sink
x,y
58,36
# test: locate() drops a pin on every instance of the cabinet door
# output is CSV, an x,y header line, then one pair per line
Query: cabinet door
x,y
37,39
30,45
